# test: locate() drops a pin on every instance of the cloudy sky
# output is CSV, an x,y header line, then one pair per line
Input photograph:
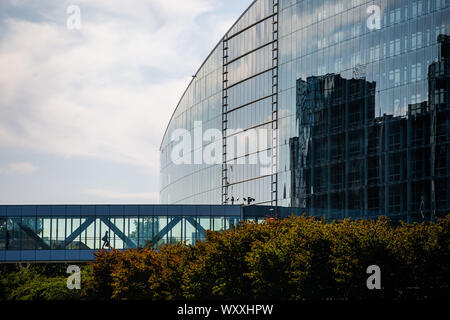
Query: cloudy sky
x,y
83,111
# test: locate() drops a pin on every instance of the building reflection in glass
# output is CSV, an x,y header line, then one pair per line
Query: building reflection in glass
x,y
349,162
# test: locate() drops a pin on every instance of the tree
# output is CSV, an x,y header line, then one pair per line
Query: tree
x,y
36,282
219,268
296,258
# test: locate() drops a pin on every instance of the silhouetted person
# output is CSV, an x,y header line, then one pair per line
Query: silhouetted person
x,y
105,240
249,200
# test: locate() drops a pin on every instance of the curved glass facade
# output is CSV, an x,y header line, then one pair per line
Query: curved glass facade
x,y
237,74
353,98
188,183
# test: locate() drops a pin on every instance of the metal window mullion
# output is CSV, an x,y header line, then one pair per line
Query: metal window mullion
x,y
224,119
274,177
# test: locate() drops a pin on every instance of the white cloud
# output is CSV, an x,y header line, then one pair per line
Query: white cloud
x,y
84,93
20,168
105,92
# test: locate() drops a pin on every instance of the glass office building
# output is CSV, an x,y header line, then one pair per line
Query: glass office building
x,y
354,96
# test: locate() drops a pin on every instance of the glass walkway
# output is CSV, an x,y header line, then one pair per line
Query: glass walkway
x,y
73,233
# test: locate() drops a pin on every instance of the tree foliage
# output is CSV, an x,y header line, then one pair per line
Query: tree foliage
x,y
290,259
294,258
35,282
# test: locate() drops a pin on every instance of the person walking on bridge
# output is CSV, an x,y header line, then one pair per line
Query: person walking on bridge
x,y
105,240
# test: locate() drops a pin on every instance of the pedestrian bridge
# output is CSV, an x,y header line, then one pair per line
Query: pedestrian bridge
x,y
73,233
70,233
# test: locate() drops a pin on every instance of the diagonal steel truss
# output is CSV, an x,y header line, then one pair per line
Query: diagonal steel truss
x,y
29,232
116,230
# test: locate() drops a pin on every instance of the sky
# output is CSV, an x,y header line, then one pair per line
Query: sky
x,y
83,107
